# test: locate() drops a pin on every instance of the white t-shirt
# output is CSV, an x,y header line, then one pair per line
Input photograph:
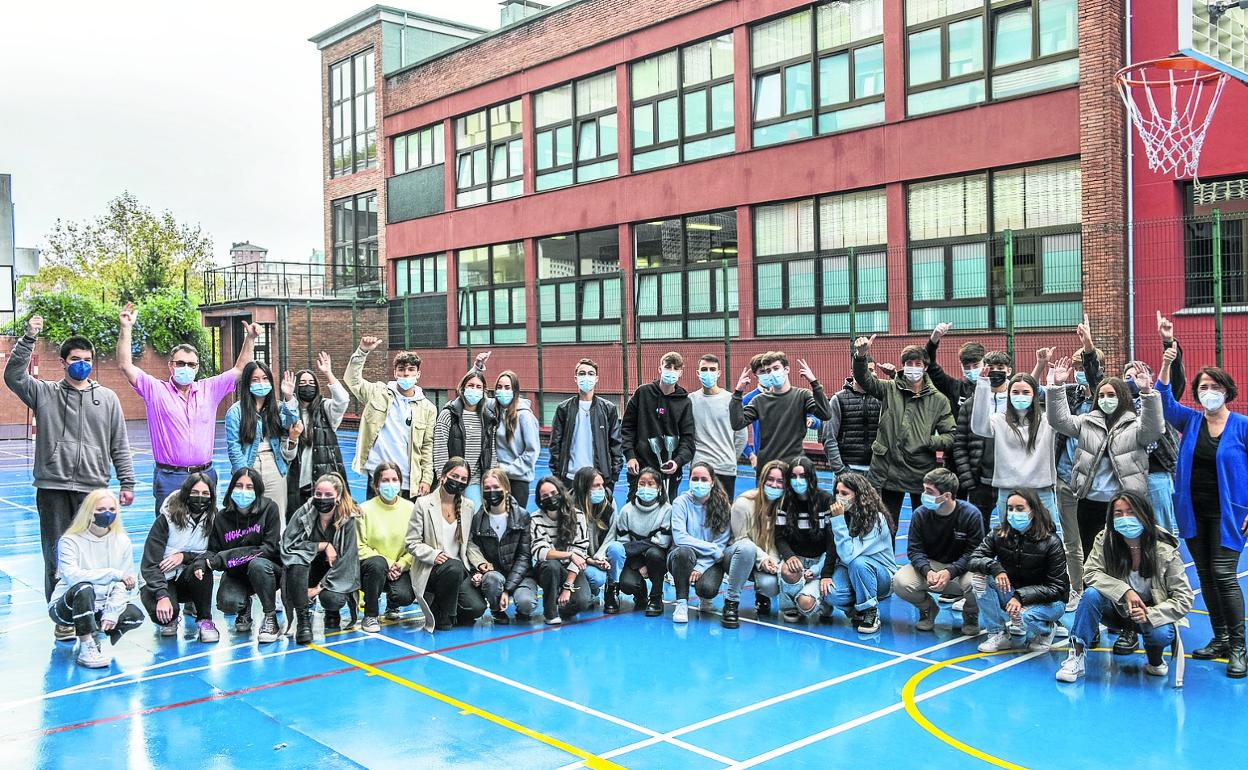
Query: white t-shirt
x,y
1142,586
582,450
498,523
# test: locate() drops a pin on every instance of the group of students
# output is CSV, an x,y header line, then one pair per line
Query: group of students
x,y
1087,482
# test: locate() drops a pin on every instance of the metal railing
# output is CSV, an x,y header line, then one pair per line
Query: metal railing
x,y
289,280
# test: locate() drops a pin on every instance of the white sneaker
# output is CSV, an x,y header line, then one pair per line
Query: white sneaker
x,y
1073,603
555,621
90,655
1060,631
1161,669
996,641
1041,642
681,613
370,626
1073,667
958,606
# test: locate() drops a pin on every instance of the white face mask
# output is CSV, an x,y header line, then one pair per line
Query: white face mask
x,y
1212,400
913,373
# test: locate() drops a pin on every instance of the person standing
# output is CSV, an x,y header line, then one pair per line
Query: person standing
x,y
1021,438
316,447
81,440
974,455
465,428
781,411
970,355
586,431
847,435
715,441
181,411
658,429
517,440
258,431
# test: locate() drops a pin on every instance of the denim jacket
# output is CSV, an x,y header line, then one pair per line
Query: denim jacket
x,y
245,457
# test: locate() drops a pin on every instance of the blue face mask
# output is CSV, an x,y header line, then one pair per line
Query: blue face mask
x,y
647,494
389,490
405,383
669,376
700,489
586,384
596,496
504,397
1021,403
1019,520
765,381
104,519
79,370
972,375
773,493
1081,378
1128,526
184,375
473,396
260,389
929,501
799,485
243,498
708,379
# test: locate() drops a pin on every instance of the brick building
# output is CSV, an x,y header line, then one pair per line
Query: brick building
x,y
706,175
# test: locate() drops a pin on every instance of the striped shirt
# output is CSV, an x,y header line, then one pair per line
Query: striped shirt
x,y
471,425
544,532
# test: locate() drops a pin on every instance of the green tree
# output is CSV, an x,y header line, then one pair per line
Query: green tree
x,y
124,255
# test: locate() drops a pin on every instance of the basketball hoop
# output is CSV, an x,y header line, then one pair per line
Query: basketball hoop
x,y
1171,103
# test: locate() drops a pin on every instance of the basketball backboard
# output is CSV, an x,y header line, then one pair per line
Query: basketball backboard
x,y
1216,32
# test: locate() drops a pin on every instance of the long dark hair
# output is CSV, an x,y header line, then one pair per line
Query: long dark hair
x,y
565,517
717,510
180,514
657,478
863,518
1041,526
1117,554
1032,416
598,516
227,502
268,411
456,501
314,406
815,501
472,374
510,415
1125,402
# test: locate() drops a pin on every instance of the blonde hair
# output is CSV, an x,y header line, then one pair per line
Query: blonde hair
x,y
763,511
86,512
346,507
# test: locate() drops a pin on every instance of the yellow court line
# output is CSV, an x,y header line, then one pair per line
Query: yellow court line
x,y
592,761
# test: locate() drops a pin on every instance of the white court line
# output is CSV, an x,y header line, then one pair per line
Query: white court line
x,y
874,715
847,642
6,501
657,736
759,705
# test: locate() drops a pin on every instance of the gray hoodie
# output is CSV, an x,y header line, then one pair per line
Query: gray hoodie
x,y
518,457
80,432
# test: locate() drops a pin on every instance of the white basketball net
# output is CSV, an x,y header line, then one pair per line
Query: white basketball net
x,y
1171,109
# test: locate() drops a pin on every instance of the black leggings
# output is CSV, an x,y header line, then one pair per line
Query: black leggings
x,y
184,588
1216,567
374,576
551,575
1091,522
76,608
301,577
258,576
654,559
893,501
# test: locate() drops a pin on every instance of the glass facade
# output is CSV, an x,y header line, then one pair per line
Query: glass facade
x,y
683,104
580,290
686,276
576,132
352,115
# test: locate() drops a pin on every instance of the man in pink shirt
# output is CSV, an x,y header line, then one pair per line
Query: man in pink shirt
x,y
181,411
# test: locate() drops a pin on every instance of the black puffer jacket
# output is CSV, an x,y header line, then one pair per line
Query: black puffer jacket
x,y
510,555
972,455
1037,569
326,455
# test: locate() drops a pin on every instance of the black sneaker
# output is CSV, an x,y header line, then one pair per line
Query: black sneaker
x,y
523,618
500,618
762,605
1219,647
333,621
654,607
242,624
268,628
303,628
611,600
867,621
730,617
1127,640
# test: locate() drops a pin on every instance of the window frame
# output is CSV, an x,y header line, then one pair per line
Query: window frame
x,y
1237,220
1035,60
347,273
346,102
574,124
581,279
492,327
943,23
415,266
437,152
490,145
716,291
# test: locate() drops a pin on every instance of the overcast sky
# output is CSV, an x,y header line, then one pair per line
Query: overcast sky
x,y
210,110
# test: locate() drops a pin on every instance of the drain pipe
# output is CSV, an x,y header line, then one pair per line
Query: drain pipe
x,y
1130,214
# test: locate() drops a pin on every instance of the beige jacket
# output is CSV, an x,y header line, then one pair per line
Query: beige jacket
x,y
1172,594
424,543
375,399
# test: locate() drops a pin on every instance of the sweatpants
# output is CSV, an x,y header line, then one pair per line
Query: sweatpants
x,y
76,608
259,577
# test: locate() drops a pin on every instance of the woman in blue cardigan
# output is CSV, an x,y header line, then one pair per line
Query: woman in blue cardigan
x,y
1211,500
258,430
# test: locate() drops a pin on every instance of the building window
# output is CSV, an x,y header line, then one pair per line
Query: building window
x,y
579,288
682,104
489,155
355,241
686,276
1035,47
491,295
818,70
576,127
958,248
1229,197
805,253
418,149
352,115
420,275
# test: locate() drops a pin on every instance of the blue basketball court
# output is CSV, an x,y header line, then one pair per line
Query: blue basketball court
x,y
601,692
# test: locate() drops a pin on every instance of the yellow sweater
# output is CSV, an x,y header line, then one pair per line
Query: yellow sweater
x,y
382,531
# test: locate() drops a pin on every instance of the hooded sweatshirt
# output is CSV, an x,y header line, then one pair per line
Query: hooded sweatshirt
x,y
165,539
240,536
658,427
81,432
82,557
518,457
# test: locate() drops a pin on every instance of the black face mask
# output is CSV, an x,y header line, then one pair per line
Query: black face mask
x,y
307,392
493,497
550,503
997,379
323,504
198,505
454,486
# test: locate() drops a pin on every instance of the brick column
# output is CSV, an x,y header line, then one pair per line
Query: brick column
x,y
894,61
741,91
528,132
624,118
1103,167
530,291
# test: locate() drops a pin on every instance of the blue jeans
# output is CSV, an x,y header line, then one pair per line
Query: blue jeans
x,y
1037,618
1161,495
789,592
1047,495
1095,605
473,493
165,482
861,585
616,558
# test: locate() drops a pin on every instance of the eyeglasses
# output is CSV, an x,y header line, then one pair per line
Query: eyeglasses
x,y
185,365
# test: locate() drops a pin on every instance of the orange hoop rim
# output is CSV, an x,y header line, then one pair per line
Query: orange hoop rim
x,y
1132,76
